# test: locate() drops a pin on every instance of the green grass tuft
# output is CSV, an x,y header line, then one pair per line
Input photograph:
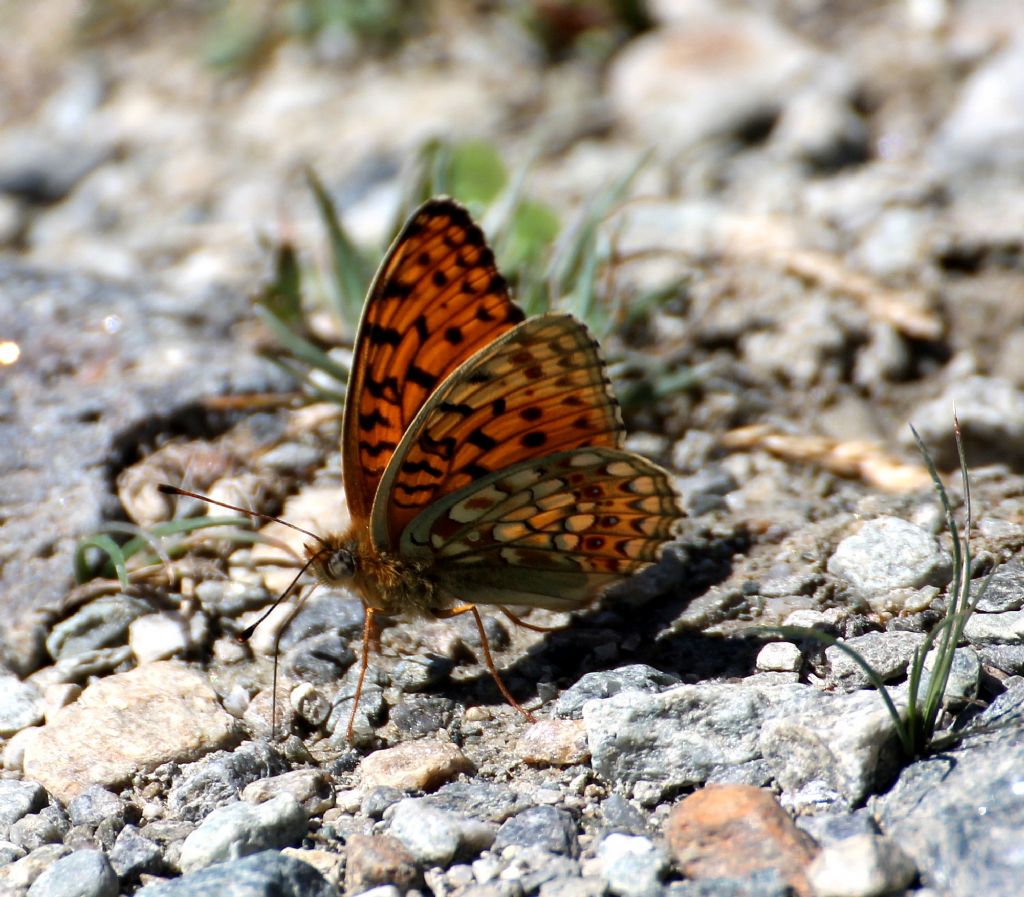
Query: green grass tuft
x,y
916,725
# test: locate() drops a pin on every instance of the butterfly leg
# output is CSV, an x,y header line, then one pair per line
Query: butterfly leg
x,y
488,659
371,636
533,627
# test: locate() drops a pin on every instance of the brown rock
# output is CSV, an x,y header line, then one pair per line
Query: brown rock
x,y
378,860
125,724
734,831
554,742
414,765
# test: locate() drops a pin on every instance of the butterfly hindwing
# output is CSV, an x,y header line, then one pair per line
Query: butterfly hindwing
x,y
537,390
551,533
436,300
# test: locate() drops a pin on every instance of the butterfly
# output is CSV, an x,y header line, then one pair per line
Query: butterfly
x,y
482,452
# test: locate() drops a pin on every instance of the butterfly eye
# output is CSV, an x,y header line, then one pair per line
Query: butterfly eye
x,y
340,565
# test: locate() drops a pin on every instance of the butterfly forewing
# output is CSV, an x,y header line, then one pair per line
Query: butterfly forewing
x,y
551,532
436,300
538,390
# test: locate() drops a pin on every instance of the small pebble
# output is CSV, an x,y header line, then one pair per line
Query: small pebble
x,y
18,799
310,787
94,805
84,873
632,865
782,657
414,766
865,865
736,831
268,873
133,854
241,829
548,828
379,860
554,742
157,637
21,705
437,837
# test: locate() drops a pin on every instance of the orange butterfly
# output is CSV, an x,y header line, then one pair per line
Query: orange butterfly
x,y
481,453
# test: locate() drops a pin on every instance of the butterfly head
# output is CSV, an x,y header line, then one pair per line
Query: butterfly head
x,y
334,562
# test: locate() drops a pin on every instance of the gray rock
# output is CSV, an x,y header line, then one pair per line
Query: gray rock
x,y
9,852
266,874
621,816
18,799
932,811
833,827
574,886
21,705
991,415
780,657
985,126
228,598
18,875
682,736
963,681
437,837
95,804
377,801
530,867
632,865
889,553
704,490
486,801
133,854
319,659
634,678
80,667
661,89
1008,658
102,623
240,829
419,715
328,611
420,672
1004,590
995,629
48,826
820,129
887,653
84,873
897,242
763,883
310,787
219,778
865,865
833,749
292,456
547,828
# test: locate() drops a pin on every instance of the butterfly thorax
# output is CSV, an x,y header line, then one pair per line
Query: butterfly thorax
x,y
384,581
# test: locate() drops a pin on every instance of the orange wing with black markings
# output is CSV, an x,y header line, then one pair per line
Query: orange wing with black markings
x,y
436,300
537,390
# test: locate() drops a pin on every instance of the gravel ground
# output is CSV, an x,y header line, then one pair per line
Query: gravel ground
x,y
836,188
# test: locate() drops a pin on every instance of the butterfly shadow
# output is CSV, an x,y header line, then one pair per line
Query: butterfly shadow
x,y
652,619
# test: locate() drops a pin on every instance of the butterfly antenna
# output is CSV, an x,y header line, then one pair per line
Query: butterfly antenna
x,y
175,490
246,634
